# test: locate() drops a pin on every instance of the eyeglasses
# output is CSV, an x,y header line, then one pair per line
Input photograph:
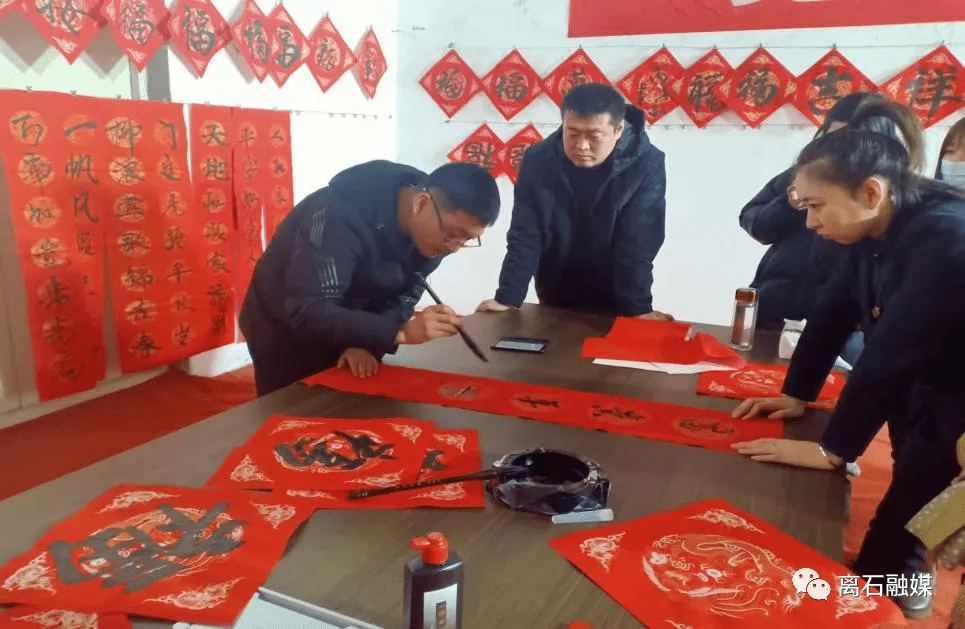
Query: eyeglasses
x,y
451,241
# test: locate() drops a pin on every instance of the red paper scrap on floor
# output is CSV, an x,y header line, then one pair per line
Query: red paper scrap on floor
x,y
180,554
445,453
659,342
44,618
709,564
628,416
756,380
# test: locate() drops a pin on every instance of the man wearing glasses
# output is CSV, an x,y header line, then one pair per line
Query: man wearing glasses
x,y
338,283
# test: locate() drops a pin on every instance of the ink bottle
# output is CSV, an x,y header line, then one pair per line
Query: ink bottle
x,y
745,319
433,586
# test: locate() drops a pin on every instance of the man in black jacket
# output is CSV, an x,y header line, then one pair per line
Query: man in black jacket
x,y
339,281
588,217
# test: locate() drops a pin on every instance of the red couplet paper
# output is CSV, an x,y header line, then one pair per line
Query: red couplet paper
x,y
50,158
69,25
289,47
510,157
648,85
482,147
576,69
451,83
330,56
512,84
694,89
755,380
757,88
709,564
250,34
192,555
138,27
197,31
659,342
371,66
21,617
933,87
639,418
829,80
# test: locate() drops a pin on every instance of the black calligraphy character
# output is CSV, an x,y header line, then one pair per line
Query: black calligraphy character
x,y
701,91
168,130
431,461
48,253
85,243
217,295
135,23
59,332
215,232
137,278
140,310
130,207
77,128
178,271
370,64
249,168
933,87
219,321
711,426
53,293
482,153
757,88
278,167
598,410
281,197
247,135
513,86
181,302
35,170
538,403
182,334
451,83
168,169
328,55
123,132
174,237
134,243
61,14
257,41
217,262
290,51
78,165
41,214
576,76
277,136
252,230
144,346
652,91
198,32
30,128
828,91
82,206
364,448
174,205
213,201
214,168
213,134
250,199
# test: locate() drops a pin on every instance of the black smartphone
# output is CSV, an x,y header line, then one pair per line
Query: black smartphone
x,y
517,344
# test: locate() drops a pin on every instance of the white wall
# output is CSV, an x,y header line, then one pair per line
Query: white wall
x,y
330,131
711,172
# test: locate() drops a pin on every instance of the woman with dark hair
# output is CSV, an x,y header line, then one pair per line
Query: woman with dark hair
x,y
951,158
798,264
903,280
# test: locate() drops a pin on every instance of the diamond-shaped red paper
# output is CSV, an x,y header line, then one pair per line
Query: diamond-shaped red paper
x,y
511,155
371,64
251,35
694,90
329,56
482,147
197,31
576,69
648,85
137,26
933,87
512,85
757,87
451,83
289,47
829,80
68,25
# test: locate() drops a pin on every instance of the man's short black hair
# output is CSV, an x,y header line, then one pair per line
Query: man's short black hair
x,y
466,187
593,99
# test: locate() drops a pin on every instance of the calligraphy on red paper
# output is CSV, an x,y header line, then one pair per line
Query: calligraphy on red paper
x,y
289,48
510,157
482,148
251,35
512,85
757,88
829,80
451,83
576,69
197,31
330,57
694,90
648,86
371,66
933,87
69,25
137,27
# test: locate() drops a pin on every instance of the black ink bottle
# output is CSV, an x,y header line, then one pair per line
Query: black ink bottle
x,y
433,586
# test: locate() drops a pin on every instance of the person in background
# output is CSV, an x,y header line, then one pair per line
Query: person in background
x,y
903,278
798,263
951,158
588,216
338,283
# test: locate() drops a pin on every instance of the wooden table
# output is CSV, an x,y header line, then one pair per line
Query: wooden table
x,y
352,561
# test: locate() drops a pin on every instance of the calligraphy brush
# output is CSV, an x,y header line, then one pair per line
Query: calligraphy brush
x,y
465,337
492,472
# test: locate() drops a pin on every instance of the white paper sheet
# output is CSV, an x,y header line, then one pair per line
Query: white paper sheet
x,y
671,368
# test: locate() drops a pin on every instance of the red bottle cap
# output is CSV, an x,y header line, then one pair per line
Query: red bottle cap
x,y
434,547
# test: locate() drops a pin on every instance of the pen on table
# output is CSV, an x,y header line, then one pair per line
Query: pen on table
x,y
465,337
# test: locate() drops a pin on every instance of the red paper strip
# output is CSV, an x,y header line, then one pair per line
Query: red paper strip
x,y
7,6
250,33
68,25
193,555
757,88
694,90
755,380
46,618
451,83
576,69
829,80
512,85
330,56
137,26
482,147
640,418
648,85
279,199
371,64
659,342
934,86
709,564
50,158
510,157
197,31
289,48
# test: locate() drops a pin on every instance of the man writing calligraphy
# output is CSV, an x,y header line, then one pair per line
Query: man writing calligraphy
x,y
338,283
588,217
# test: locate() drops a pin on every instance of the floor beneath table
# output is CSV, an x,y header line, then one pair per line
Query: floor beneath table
x,y
81,435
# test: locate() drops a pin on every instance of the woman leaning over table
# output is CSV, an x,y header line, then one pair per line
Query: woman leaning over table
x,y
903,278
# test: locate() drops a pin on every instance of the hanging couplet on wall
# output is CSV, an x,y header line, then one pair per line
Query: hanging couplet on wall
x,y
757,88
510,157
211,154
192,555
512,85
451,83
694,90
289,48
251,36
330,56
197,31
829,80
709,564
933,87
22,617
648,85
54,186
576,69
371,64
68,25
279,198
482,147
138,27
